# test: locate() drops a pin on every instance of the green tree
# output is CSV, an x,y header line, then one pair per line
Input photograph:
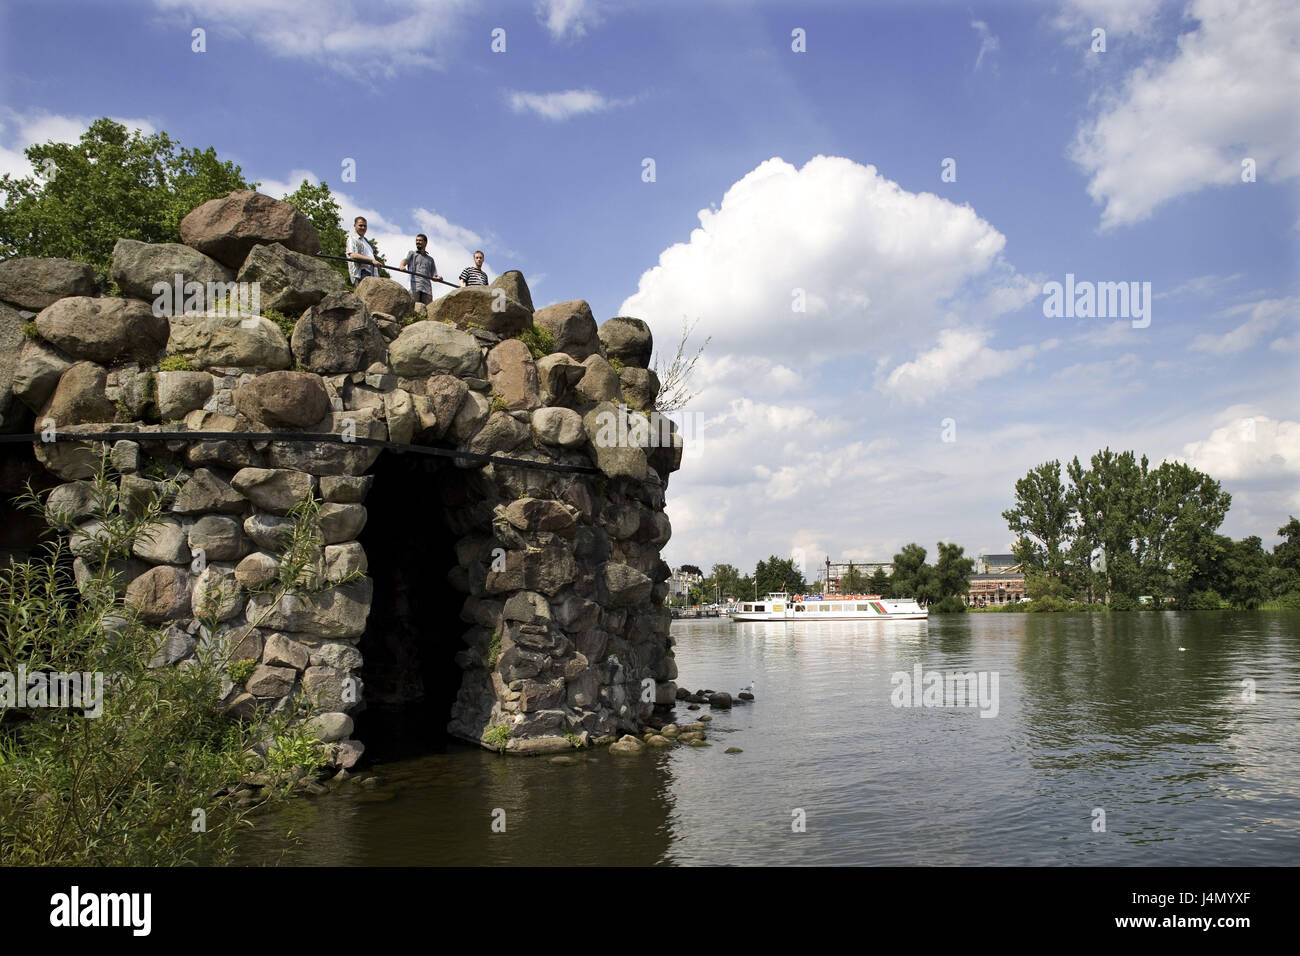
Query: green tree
x,y
778,574
1108,499
1286,558
1180,510
111,184
317,204
696,595
692,569
853,581
952,571
727,578
1041,517
880,582
909,572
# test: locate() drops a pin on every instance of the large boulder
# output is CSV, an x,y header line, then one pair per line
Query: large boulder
x,y
513,375
180,393
138,266
600,382
284,399
513,284
39,283
273,489
558,375
338,613
625,585
289,281
610,432
640,387
79,397
500,435
333,458
161,594
103,330
559,426
338,335
11,344
227,229
628,340
482,306
37,372
217,340
387,296
431,348
572,326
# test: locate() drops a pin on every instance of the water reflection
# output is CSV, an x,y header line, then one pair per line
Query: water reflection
x,y
1095,711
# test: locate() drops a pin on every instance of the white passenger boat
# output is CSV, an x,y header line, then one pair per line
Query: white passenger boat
x,y
780,606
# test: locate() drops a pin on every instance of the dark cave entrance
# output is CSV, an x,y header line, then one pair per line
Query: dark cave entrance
x,y
410,676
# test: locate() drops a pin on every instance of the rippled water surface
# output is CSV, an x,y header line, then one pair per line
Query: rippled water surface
x,y
1141,715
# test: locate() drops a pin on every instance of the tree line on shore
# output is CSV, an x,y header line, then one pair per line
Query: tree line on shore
x,y
1112,533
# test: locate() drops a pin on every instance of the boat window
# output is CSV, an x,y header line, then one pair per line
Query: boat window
x,y
825,607
798,608
778,607
864,607
749,607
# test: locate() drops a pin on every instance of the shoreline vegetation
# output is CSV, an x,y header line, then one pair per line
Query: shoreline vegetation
x,y
162,770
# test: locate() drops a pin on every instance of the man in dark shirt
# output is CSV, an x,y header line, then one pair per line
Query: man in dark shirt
x,y
424,269
474,275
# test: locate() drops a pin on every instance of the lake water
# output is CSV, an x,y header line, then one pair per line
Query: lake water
x,y
1142,716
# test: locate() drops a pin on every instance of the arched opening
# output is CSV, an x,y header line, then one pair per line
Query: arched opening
x,y
414,629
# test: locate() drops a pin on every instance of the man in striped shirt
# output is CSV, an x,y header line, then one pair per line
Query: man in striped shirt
x,y
474,275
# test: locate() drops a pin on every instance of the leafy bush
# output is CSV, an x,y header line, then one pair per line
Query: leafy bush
x,y
498,403
617,365
539,340
148,780
1207,600
176,363
282,322
1122,602
497,737
240,671
949,605
30,330
494,650
1286,602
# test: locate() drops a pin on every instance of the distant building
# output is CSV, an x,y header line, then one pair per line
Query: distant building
x,y
681,582
996,564
834,572
1007,587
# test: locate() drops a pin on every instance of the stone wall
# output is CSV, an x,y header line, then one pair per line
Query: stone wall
x,y
564,628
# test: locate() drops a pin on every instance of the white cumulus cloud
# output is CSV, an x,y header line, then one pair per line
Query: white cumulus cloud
x,y
1248,445
1188,122
961,357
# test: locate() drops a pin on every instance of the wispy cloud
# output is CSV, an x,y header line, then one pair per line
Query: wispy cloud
x,y
988,42
567,19
561,105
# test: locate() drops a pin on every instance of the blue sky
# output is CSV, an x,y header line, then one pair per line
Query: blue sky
x,y
783,177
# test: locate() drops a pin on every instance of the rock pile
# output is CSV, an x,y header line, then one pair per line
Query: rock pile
x,y
564,585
